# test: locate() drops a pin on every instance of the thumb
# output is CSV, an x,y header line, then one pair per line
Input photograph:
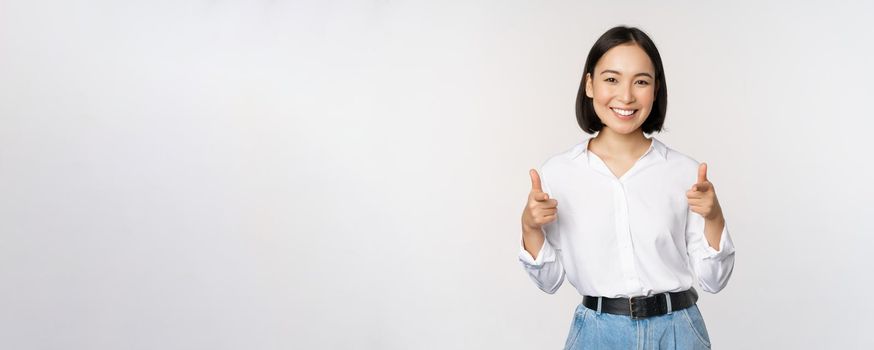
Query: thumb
x,y
535,180
702,172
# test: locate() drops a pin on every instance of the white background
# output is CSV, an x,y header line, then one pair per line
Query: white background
x,y
327,175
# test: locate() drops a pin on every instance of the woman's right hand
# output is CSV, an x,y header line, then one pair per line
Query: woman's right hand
x,y
540,209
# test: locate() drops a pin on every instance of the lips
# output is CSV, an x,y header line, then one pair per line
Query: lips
x,y
624,114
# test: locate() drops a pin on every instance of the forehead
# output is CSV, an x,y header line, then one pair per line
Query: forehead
x,y
626,58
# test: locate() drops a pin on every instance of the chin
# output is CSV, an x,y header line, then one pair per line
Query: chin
x,y
623,129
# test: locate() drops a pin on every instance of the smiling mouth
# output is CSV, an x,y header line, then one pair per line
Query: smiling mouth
x,y
624,114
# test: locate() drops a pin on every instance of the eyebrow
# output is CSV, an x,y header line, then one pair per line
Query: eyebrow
x,y
615,72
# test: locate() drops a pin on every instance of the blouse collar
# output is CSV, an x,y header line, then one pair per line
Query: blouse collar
x,y
583,149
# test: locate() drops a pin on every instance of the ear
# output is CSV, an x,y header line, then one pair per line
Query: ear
x,y
589,93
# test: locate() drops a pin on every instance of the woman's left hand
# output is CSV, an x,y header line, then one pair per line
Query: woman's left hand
x,y
702,197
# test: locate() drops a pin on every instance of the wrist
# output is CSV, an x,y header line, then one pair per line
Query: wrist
x,y
717,219
531,231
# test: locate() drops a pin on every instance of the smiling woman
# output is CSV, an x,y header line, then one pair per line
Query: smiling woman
x,y
623,235
624,58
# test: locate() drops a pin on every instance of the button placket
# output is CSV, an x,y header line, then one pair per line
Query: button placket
x,y
623,236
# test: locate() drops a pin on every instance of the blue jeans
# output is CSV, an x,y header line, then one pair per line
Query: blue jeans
x,y
680,329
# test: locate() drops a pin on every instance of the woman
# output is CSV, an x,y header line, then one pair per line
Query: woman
x,y
624,217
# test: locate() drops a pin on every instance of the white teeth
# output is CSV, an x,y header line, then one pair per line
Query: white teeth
x,y
624,112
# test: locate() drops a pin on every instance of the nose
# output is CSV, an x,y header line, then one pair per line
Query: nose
x,y
625,94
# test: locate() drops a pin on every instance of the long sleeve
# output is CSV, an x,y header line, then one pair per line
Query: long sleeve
x,y
546,269
712,266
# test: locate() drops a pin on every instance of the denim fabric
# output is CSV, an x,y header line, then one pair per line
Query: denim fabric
x,y
681,329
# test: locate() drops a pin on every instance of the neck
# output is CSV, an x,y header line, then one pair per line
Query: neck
x,y
621,145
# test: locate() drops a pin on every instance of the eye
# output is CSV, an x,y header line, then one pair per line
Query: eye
x,y
610,80
642,82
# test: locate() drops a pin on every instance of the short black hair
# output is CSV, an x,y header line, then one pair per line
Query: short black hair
x,y
586,117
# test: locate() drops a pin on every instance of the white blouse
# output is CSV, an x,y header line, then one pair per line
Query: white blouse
x,y
625,237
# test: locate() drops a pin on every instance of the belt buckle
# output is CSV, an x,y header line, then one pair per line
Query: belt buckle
x,y
631,309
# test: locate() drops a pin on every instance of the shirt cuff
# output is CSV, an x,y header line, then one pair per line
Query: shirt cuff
x,y
545,255
726,246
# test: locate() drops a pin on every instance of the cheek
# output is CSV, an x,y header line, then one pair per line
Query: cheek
x,y
646,96
602,96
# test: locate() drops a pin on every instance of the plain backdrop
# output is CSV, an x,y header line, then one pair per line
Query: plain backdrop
x,y
351,175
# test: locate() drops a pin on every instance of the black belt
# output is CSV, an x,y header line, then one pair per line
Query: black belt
x,y
641,307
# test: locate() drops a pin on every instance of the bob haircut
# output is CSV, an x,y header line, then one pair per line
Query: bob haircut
x,y
586,117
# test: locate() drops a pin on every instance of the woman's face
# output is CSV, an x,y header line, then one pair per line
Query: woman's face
x,y
622,88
